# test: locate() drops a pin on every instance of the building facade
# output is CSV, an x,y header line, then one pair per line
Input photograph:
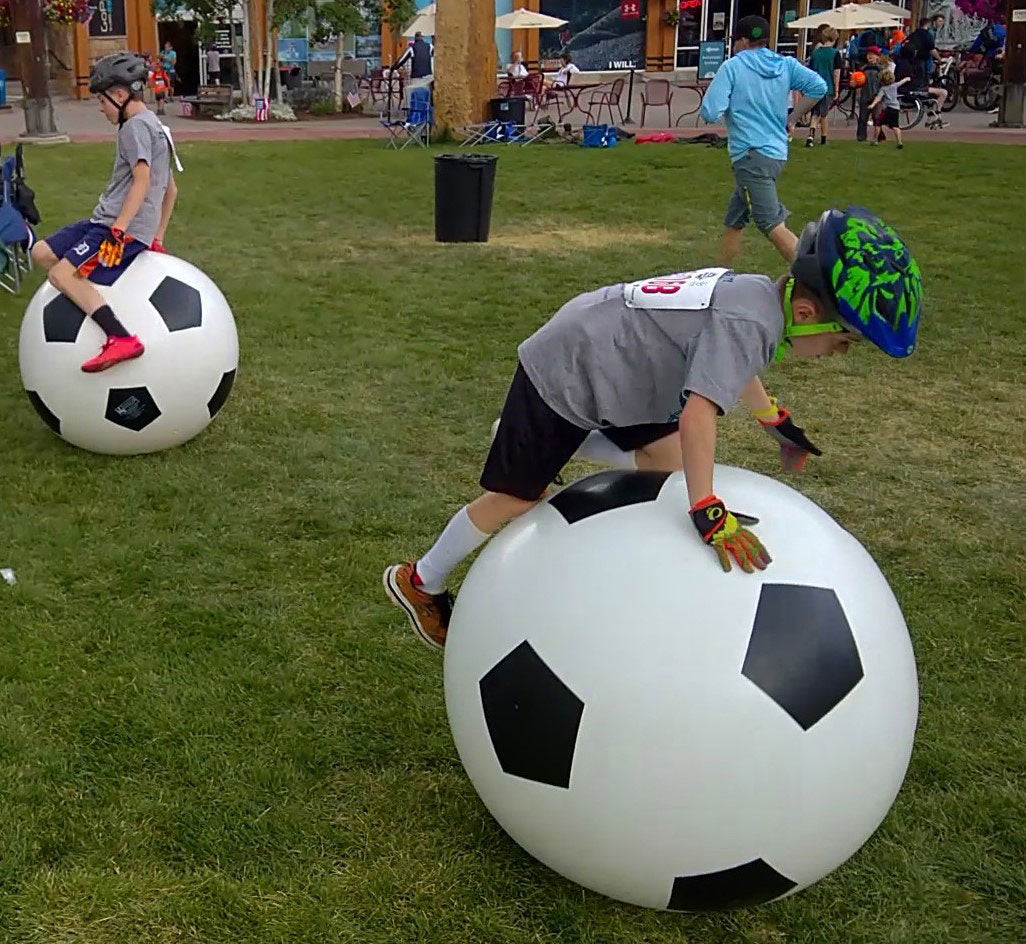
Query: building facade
x,y
655,35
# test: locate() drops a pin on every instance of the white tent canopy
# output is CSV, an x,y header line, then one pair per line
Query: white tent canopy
x,y
527,19
891,9
851,16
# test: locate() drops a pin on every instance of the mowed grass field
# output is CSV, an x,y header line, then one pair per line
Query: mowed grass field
x,y
214,728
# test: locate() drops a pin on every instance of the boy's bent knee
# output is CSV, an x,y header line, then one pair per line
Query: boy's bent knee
x,y
42,255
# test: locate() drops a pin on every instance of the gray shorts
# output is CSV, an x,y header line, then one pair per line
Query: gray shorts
x,y
822,108
755,196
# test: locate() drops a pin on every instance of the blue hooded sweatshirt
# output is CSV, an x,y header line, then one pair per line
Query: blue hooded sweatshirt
x,y
753,90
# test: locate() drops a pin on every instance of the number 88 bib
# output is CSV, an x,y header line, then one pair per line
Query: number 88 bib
x,y
684,290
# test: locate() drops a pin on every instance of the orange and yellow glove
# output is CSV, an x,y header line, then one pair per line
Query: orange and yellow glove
x,y
795,446
112,249
727,535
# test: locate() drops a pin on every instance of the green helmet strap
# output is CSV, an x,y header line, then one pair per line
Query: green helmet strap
x,y
791,330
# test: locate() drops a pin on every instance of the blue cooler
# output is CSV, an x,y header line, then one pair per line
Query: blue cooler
x,y
599,136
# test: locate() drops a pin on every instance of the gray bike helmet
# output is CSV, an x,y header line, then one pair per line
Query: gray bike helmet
x,y
122,68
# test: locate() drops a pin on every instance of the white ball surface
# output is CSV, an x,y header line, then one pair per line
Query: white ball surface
x,y
662,744
159,400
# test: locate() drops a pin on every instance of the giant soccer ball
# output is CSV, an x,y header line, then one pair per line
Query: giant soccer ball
x,y
157,401
662,732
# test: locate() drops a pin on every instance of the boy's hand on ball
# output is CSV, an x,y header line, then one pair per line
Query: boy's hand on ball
x,y
795,446
112,249
727,536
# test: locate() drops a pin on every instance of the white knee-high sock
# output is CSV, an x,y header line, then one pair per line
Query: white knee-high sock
x,y
458,540
597,448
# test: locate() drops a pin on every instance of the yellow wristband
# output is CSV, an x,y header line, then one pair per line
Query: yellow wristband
x,y
765,416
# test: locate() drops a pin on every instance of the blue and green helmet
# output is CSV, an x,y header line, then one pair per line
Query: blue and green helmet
x,y
865,273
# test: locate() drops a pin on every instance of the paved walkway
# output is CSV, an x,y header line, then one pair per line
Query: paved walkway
x,y
84,122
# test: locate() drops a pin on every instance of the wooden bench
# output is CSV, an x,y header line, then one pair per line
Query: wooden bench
x,y
217,97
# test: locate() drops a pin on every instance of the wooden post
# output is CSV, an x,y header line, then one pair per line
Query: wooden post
x,y
1012,113
465,61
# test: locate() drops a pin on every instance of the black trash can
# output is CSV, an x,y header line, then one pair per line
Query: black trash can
x,y
464,185
509,109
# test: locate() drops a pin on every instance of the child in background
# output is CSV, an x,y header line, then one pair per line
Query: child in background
x,y
868,91
160,83
825,61
888,95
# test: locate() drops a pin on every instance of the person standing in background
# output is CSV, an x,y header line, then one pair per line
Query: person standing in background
x,y
213,67
169,60
825,61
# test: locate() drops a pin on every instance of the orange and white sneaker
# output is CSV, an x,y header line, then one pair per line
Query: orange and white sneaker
x,y
114,351
428,613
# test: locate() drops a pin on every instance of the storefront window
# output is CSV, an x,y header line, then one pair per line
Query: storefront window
x,y
787,39
689,33
596,35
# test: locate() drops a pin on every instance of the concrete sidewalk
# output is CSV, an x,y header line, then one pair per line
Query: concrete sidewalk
x,y
84,122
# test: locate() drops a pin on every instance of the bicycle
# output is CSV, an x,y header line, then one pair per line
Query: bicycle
x,y
981,84
947,76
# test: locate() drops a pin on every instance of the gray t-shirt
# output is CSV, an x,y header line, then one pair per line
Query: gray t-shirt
x,y
598,362
889,95
213,61
140,138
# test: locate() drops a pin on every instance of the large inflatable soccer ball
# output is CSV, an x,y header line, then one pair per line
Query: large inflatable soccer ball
x,y
157,401
662,732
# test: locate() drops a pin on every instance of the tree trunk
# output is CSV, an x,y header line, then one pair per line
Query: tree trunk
x,y
465,61
35,73
246,76
265,84
338,71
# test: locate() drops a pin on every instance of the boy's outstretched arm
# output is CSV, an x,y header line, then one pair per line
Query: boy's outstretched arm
x,y
166,208
795,446
717,526
112,249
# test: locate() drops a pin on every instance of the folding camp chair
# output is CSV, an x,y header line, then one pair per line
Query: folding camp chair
x,y
493,132
415,125
15,235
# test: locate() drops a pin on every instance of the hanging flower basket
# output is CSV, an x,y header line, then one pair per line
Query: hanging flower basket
x,y
66,12
671,17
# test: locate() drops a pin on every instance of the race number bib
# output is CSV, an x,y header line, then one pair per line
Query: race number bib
x,y
684,290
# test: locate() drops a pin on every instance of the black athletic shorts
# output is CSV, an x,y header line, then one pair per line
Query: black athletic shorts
x,y
534,442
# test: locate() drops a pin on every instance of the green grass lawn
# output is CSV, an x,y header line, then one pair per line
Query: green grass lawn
x,y
213,728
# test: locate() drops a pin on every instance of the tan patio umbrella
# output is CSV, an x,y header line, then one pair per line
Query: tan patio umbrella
x,y
851,16
527,19
423,22
890,8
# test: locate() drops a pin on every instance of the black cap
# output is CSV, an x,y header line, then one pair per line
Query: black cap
x,y
754,28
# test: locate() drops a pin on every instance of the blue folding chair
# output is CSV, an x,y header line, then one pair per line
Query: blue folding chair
x,y
415,125
15,235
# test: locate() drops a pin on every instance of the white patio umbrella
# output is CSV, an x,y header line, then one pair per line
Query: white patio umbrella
x,y
423,22
890,8
527,19
851,16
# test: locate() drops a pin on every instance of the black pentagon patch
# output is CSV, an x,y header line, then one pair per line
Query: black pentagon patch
x,y
605,491
62,319
532,718
217,401
131,407
743,886
802,652
44,411
178,304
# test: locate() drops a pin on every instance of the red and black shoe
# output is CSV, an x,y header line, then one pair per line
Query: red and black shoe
x,y
114,351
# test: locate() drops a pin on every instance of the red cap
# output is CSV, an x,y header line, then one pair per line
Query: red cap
x,y
875,49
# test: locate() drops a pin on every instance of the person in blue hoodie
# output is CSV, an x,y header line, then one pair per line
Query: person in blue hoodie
x,y
752,90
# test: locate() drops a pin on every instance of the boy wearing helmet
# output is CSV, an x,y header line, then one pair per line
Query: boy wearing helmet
x,y
635,375
132,214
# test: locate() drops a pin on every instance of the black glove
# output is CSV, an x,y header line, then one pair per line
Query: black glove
x,y
795,446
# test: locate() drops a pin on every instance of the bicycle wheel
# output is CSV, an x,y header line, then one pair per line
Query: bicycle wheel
x,y
988,97
846,104
950,84
910,114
